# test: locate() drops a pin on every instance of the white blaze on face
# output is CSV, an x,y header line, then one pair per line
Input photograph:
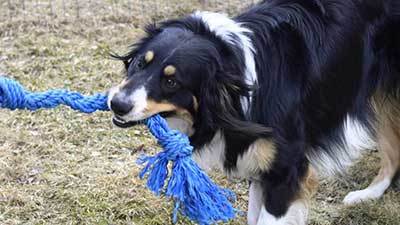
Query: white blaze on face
x,y
139,101
111,93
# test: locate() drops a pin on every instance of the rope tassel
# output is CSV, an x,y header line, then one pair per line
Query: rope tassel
x,y
194,193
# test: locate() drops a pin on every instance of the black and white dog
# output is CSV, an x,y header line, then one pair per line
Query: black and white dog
x,y
275,94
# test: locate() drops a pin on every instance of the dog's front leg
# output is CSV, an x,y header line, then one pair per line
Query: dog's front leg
x,y
290,210
287,185
255,202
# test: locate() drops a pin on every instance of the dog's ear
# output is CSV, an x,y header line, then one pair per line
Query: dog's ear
x,y
151,31
220,102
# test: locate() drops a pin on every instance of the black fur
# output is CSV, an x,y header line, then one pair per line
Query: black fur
x,y
317,62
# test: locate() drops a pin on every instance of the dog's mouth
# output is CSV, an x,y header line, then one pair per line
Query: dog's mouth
x,y
125,124
119,122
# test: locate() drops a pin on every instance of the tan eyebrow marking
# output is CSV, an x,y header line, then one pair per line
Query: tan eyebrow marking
x,y
169,70
149,56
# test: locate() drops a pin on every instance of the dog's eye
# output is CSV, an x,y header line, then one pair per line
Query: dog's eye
x,y
171,83
140,64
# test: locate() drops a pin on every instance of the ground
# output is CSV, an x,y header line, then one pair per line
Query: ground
x,y
62,167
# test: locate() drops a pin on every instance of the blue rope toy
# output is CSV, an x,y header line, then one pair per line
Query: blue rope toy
x,y
195,195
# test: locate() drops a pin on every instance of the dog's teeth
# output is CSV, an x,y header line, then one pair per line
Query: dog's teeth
x,y
118,120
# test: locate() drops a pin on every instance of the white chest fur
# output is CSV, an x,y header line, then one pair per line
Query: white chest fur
x,y
212,155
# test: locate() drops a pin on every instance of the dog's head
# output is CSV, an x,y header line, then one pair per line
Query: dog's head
x,y
185,72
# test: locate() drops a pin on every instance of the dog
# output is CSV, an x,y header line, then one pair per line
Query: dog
x,y
283,92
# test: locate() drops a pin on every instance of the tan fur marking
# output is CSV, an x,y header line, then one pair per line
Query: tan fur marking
x,y
264,153
388,127
185,115
259,157
309,185
154,107
388,144
149,56
169,70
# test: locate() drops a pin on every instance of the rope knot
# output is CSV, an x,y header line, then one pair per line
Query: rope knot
x,y
175,144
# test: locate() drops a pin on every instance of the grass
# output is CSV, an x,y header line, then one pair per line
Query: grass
x,y
62,167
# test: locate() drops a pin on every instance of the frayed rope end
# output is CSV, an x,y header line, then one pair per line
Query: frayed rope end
x,y
194,193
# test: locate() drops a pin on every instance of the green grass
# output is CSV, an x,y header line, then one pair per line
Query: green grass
x,y
62,167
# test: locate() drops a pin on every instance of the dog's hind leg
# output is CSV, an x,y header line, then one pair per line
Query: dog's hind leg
x,y
383,47
388,135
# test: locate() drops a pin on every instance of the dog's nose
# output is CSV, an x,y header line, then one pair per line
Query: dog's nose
x,y
120,106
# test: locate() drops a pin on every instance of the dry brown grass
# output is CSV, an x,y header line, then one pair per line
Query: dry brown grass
x,y
62,167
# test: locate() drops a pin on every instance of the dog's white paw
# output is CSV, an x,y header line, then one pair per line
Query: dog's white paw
x,y
372,192
355,197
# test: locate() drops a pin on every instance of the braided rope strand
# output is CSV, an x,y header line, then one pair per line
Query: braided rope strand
x,y
14,96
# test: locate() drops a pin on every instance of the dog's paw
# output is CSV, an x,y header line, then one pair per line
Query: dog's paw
x,y
355,197
372,192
